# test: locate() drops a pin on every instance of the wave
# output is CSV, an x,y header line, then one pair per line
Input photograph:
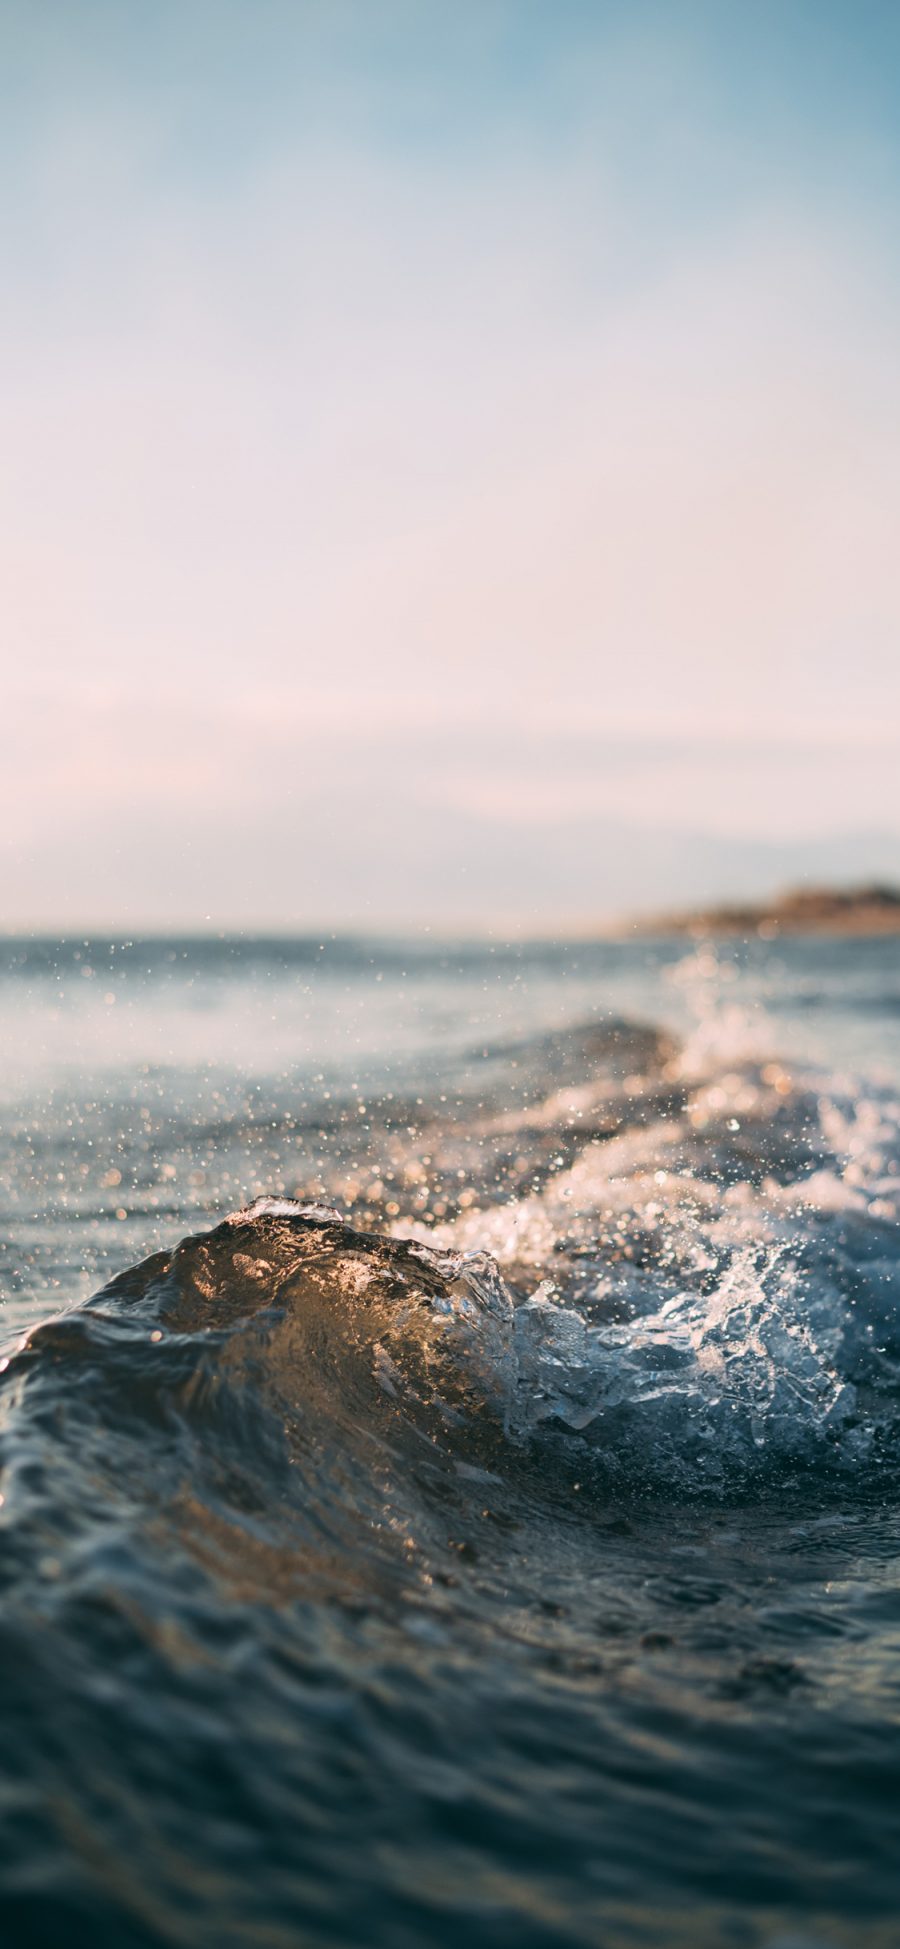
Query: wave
x,y
664,1272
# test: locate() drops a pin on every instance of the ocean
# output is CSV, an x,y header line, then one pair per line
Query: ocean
x,y
449,1451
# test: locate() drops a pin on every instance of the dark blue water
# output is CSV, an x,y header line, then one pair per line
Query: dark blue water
x,y
493,1532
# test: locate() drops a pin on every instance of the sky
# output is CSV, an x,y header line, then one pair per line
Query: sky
x,y
450,458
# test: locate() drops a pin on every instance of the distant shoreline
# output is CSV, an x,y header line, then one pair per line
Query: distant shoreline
x,y
853,911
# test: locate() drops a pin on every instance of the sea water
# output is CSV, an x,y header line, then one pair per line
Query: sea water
x,y
486,1523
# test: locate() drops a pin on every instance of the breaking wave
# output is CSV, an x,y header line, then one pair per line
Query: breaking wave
x,y
694,1282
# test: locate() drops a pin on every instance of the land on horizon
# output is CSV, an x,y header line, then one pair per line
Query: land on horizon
x,y
860,910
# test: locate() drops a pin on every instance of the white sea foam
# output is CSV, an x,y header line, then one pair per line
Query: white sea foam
x,y
714,1284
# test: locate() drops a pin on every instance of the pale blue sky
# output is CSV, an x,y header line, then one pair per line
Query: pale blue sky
x,y
452,456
